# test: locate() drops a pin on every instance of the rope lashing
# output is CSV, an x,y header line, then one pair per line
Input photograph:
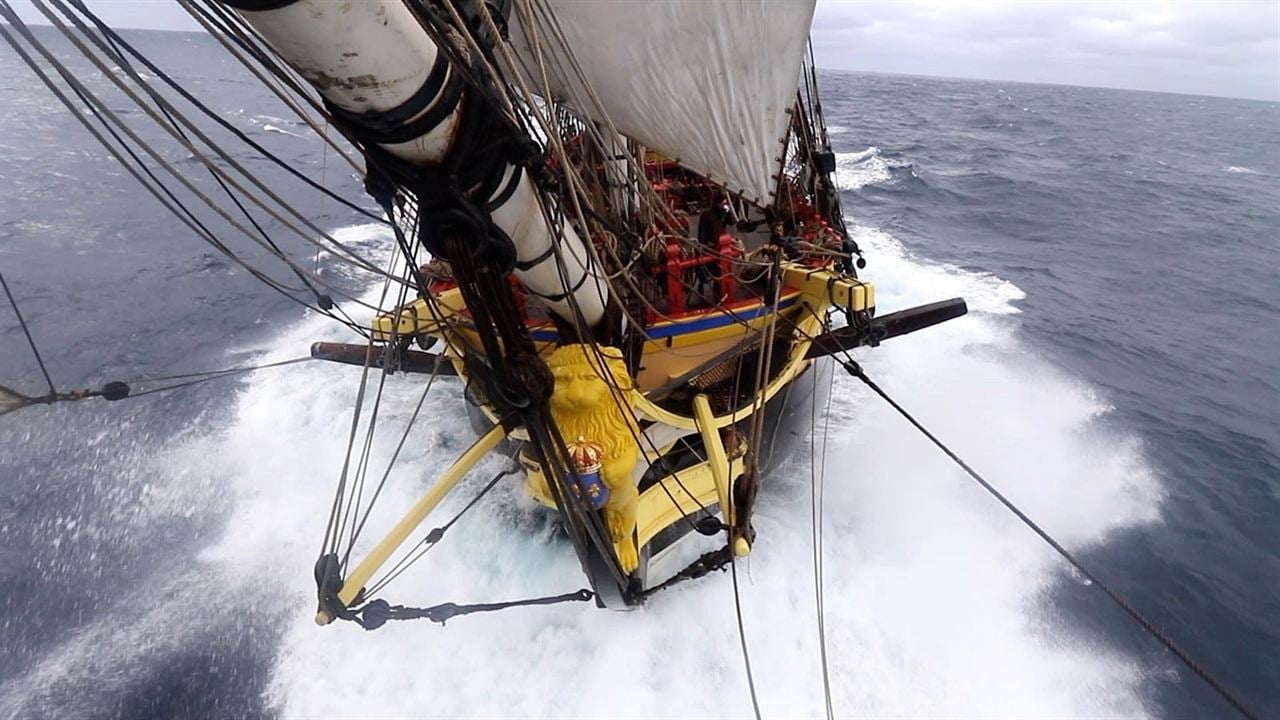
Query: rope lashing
x,y
11,400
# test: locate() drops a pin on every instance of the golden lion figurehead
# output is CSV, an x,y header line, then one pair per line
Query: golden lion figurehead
x,y
588,378
592,399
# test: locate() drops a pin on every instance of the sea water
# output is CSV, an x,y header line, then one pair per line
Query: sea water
x,y
1116,377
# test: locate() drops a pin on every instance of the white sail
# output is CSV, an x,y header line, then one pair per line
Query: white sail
x,y
706,82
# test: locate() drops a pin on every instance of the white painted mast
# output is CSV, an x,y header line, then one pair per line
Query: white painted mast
x,y
374,56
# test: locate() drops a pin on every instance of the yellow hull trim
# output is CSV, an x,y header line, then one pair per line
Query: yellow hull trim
x,y
795,365
666,502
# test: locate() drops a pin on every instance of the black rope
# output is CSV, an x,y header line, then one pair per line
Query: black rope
x,y
26,331
100,108
404,437
201,377
742,636
706,564
114,42
817,483
115,38
101,112
332,534
351,512
856,370
377,613
118,390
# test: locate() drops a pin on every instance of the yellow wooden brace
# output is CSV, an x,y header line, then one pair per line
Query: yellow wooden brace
x,y
381,552
419,316
716,456
829,288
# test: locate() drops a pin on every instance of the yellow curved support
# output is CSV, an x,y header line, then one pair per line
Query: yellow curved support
x,y
669,500
796,363
381,552
717,459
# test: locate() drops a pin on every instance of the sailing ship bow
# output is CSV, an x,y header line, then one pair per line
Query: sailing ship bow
x,y
618,223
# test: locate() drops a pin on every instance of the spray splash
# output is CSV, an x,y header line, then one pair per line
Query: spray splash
x,y
934,595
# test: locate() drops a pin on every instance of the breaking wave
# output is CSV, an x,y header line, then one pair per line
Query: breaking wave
x,y
855,171
278,125
273,129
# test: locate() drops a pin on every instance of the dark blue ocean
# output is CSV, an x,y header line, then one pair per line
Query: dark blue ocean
x,y
1118,376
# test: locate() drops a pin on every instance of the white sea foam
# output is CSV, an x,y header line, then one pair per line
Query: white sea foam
x,y
1241,170
855,171
363,239
273,124
935,597
267,127
259,119
936,601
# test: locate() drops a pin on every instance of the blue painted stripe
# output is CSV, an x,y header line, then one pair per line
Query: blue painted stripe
x,y
690,325
713,321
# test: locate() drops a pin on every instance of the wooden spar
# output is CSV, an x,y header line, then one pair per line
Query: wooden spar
x,y
717,459
381,552
886,327
410,361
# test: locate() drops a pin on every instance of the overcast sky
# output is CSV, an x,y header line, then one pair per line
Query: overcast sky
x,y
1205,46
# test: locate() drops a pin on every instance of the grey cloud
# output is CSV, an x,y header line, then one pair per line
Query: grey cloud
x,y
1213,48
1224,48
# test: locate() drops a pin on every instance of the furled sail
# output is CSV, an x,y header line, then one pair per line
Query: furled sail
x,y
374,57
708,83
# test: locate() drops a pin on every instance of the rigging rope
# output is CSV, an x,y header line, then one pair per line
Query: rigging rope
x,y
742,636
174,130
202,377
324,301
11,400
116,39
854,369
338,515
26,331
378,612
817,481
429,541
362,469
209,19
404,437
103,113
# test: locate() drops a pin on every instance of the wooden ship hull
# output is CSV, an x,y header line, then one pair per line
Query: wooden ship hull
x,y
616,222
